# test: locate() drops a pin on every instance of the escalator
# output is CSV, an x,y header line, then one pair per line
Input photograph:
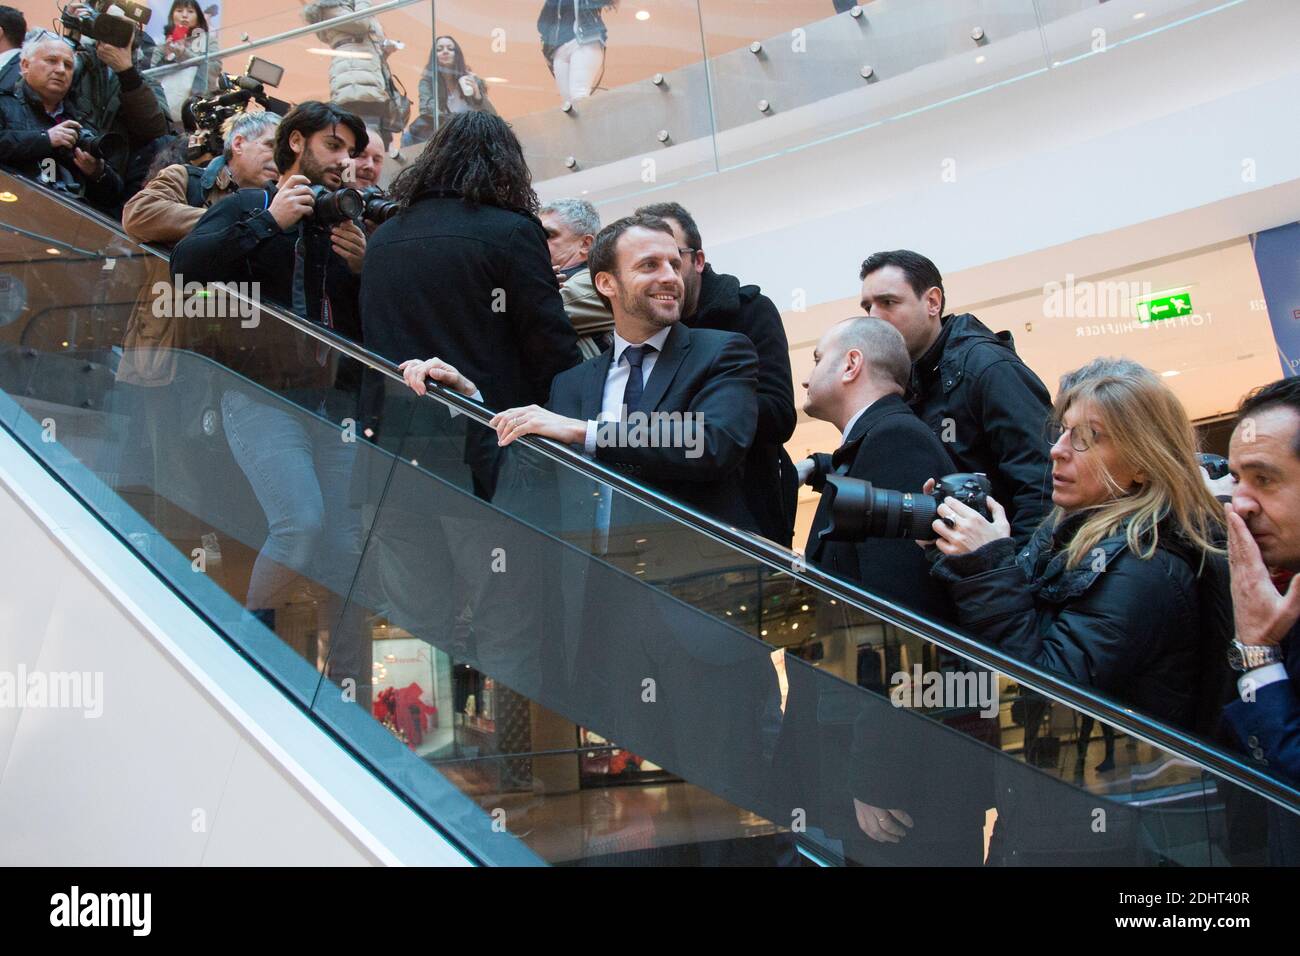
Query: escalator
x,y
665,691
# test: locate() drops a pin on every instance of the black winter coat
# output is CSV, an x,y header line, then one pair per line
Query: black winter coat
x,y
1150,633
989,409
1135,629
472,285
769,480
237,240
24,144
889,447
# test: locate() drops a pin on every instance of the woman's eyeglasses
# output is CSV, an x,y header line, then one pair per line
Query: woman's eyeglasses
x,y
1082,436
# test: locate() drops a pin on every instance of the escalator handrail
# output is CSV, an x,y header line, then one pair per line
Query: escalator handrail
x,y
1221,762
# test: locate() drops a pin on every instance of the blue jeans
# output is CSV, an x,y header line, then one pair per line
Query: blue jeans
x,y
300,469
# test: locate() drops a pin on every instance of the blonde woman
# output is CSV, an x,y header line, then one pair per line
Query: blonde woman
x,y
1109,591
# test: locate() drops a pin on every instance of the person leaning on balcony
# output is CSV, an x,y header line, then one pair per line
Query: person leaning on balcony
x,y
447,87
1122,587
1264,533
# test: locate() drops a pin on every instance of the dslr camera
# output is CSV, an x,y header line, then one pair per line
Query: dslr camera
x,y
204,116
378,207
110,147
860,511
91,19
335,206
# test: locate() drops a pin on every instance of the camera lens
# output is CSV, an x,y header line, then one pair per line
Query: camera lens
x,y
380,210
897,514
336,206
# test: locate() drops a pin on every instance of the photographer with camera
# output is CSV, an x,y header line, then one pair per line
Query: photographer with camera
x,y
1122,587
297,242
109,88
259,234
860,371
171,203
43,137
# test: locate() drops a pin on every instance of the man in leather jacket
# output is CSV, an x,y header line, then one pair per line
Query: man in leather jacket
x,y
987,407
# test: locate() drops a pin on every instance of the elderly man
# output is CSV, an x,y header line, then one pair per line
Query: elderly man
x,y
39,130
171,204
571,226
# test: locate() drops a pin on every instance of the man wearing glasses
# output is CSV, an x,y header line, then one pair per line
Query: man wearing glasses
x,y
717,301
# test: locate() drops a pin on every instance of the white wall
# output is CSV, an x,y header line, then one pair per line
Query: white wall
x,y
170,748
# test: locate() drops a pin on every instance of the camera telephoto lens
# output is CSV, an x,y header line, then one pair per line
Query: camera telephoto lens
x,y
863,511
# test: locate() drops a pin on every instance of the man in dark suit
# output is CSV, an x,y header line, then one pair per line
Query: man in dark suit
x,y
614,407
670,406
860,372
717,301
1264,533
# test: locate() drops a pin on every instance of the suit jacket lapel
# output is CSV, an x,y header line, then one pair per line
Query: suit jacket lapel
x,y
666,366
593,391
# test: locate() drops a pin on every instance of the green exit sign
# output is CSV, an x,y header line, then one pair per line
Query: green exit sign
x,y
1165,307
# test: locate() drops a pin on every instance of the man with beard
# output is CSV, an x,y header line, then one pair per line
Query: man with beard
x,y
619,634
615,406
715,300
297,459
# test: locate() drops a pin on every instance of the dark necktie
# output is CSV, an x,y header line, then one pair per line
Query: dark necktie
x,y
635,355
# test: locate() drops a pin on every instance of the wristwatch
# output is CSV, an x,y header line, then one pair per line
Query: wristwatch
x,y
1246,657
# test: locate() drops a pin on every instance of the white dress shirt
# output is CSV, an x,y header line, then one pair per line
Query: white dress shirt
x,y
8,55
1251,681
611,403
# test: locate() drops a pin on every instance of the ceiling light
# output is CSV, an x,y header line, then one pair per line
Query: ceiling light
x,y
7,196
495,79
1171,373
52,251
981,58
1139,15
643,14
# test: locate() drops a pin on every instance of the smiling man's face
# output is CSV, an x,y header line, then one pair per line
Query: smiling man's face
x,y
646,288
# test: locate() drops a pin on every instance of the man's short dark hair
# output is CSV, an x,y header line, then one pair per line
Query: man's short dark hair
x,y
675,211
1284,393
310,117
921,273
14,25
604,249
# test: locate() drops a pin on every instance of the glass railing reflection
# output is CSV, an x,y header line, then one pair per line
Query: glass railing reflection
x,y
463,617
